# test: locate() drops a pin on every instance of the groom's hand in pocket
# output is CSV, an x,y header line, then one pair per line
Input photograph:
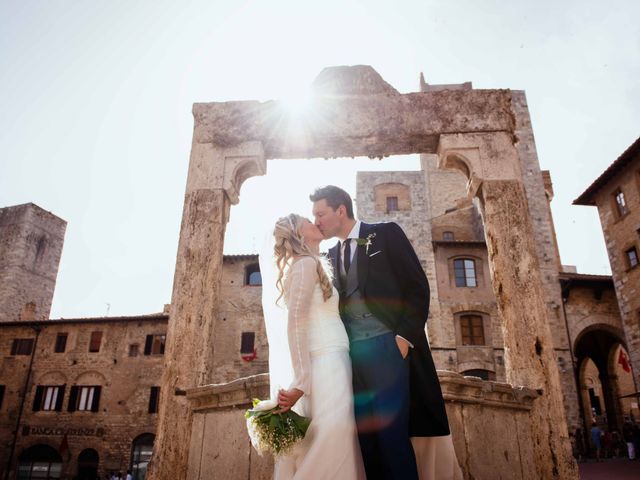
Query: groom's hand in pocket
x,y
288,398
403,345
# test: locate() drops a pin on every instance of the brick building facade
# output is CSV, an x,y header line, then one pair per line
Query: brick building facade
x,y
78,397
616,194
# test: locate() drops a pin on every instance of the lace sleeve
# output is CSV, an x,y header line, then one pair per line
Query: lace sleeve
x,y
301,284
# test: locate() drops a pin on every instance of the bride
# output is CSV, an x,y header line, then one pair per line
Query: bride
x,y
314,359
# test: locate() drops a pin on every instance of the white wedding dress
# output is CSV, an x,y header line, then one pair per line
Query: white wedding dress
x,y
319,349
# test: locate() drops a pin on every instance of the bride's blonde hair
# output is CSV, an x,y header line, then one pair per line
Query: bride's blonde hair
x,y
289,243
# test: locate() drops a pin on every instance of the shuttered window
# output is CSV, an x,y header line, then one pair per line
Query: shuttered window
x,y
94,343
154,344
61,343
22,346
154,399
472,330
84,398
48,398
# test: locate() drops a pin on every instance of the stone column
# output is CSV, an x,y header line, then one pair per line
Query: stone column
x,y
491,164
213,184
612,402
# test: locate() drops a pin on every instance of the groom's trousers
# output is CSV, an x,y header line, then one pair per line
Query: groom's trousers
x,y
381,403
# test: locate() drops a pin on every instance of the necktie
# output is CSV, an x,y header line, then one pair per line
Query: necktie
x,y
347,255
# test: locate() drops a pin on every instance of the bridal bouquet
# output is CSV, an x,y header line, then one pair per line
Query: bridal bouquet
x,y
274,432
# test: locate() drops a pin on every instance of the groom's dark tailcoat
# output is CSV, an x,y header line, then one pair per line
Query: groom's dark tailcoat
x,y
396,291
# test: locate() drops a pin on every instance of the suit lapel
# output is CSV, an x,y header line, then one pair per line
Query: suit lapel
x,y
363,258
334,257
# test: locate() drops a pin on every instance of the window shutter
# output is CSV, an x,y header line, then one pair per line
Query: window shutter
x,y
14,346
37,400
96,399
247,342
153,399
61,389
73,398
1,394
147,345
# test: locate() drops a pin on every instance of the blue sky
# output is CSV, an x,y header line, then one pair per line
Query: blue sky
x,y
96,97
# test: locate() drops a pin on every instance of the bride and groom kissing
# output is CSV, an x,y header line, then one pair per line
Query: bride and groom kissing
x,y
361,365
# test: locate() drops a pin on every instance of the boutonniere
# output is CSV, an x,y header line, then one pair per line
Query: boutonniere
x,y
367,242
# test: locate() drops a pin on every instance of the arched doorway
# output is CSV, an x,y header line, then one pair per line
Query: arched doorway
x,y
141,450
88,464
602,376
39,461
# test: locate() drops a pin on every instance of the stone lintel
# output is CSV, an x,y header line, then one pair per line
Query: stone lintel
x,y
472,390
237,393
455,389
374,125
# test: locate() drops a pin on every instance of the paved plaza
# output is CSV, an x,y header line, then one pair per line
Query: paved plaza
x,y
611,469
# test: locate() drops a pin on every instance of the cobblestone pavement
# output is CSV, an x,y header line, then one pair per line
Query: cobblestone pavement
x,y
612,469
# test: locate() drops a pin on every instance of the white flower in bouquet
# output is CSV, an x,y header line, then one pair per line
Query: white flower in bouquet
x,y
264,405
274,432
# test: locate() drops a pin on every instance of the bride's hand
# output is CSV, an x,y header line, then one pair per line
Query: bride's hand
x,y
288,398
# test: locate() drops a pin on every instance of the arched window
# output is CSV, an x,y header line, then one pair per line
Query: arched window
x,y
39,461
141,450
464,270
88,463
472,330
252,275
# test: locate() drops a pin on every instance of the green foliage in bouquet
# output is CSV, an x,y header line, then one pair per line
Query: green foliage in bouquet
x,y
274,432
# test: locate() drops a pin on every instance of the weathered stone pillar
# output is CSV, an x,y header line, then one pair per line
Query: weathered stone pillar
x,y
612,402
490,162
213,184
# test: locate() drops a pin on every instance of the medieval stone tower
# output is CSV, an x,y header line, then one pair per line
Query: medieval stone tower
x,y
31,242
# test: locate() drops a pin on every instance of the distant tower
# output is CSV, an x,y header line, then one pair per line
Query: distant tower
x,y
31,242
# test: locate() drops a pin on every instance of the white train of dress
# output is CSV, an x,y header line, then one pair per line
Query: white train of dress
x,y
319,349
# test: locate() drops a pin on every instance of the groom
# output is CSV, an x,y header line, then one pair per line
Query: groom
x,y
384,303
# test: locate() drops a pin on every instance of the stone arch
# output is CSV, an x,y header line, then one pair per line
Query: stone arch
x,y
477,365
613,330
490,129
141,449
457,161
90,377
88,462
598,321
46,457
597,344
52,377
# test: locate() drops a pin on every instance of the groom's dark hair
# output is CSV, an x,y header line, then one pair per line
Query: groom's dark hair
x,y
335,196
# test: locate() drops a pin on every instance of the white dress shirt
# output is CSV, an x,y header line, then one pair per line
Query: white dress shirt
x,y
351,238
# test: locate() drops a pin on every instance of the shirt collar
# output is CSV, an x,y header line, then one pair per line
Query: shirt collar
x,y
355,231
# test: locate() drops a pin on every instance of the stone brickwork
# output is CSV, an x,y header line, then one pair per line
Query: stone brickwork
x,y
621,234
125,382
31,242
477,411
371,191
240,311
451,212
590,306
538,203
